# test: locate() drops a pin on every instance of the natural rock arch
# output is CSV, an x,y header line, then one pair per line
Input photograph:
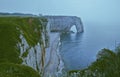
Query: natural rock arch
x,y
64,23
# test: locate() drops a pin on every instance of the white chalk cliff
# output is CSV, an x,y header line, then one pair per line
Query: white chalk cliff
x,y
64,23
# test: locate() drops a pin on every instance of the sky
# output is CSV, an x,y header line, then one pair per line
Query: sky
x,y
88,10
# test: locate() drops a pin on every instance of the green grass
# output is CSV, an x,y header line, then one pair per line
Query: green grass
x,y
16,70
9,37
10,29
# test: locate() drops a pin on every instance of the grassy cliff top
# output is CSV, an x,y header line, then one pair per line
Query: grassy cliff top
x,y
10,30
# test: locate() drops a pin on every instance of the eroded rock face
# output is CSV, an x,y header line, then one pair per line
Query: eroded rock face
x,y
42,58
53,64
64,23
33,57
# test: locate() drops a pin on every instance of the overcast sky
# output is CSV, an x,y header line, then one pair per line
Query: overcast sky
x,y
87,9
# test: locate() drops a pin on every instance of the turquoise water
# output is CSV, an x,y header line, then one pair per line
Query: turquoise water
x,y
79,50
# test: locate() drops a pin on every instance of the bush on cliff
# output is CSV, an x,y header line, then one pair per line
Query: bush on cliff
x,y
106,65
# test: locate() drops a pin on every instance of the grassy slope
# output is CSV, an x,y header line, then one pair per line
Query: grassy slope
x,y
16,70
10,30
106,65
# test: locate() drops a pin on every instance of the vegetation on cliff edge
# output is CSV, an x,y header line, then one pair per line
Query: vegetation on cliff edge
x,y
106,65
10,30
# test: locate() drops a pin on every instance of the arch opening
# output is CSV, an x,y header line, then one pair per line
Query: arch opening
x,y
73,29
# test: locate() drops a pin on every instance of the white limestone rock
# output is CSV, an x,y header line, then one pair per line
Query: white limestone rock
x,y
64,23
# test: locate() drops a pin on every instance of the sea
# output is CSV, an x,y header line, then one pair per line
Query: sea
x,y
79,50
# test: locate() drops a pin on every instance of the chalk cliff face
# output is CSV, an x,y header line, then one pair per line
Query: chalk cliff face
x,y
64,23
34,56
54,64
44,56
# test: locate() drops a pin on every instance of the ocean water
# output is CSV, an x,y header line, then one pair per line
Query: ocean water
x,y
79,50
